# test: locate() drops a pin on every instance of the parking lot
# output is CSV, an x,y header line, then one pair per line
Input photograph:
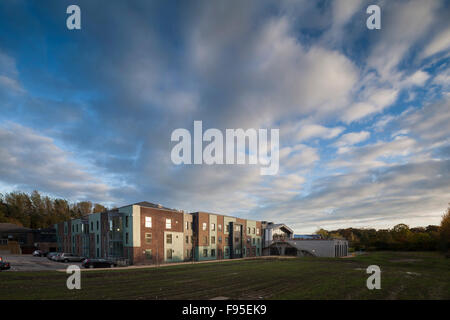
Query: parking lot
x,y
29,263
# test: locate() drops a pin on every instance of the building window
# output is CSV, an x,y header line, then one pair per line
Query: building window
x,y
168,223
254,230
227,239
227,252
126,238
248,230
248,240
148,253
237,228
213,226
187,239
148,238
187,225
98,252
126,221
213,252
169,253
220,239
188,253
253,241
98,239
205,239
213,240
169,239
227,228
257,231
97,225
205,252
148,222
220,227
259,240
236,239
204,226
192,239
257,251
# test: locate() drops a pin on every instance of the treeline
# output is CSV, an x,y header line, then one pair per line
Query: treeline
x,y
400,237
36,211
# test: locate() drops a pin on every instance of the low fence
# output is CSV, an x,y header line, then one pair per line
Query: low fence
x,y
12,247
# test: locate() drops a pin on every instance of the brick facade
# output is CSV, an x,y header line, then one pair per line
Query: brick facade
x,y
152,234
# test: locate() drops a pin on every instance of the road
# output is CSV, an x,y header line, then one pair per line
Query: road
x,y
29,263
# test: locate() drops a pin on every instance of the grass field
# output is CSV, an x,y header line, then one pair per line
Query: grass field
x,y
405,275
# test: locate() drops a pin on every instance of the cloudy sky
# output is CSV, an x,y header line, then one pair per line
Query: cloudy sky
x,y
363,114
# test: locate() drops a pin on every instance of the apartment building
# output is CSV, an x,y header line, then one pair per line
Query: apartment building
x,y
224,237
145,233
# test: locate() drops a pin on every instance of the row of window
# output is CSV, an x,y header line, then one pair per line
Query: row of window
x,y
227,228
75,227
149,237
227,252
148,223
189,253
236,240
169,254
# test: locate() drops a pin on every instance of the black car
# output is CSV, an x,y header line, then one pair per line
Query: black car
x,y
4,265
98,263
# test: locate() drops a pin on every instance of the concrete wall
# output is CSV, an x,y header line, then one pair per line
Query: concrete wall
x,y
319,248
176,246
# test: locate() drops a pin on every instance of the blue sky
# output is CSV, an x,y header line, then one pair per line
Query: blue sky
x,y
363,114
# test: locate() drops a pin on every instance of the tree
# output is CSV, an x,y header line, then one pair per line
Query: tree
x,y
444,231
99,208
323,233
82,208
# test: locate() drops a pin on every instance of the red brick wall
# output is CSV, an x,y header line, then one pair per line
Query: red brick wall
x,y
159,217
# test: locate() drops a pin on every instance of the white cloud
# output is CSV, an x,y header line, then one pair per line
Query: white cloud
x,y
32,161
376,102
352,138
309,131
418,78
276,76
298,157
440,42
404,23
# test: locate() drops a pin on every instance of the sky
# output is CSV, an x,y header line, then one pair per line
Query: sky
x,y
363,114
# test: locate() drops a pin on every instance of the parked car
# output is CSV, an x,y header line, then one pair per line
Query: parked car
x,y
55,257
4,265
39,253
51,255
98,263
68,257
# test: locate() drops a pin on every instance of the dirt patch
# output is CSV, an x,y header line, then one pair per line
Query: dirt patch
x,y
405,260
412,273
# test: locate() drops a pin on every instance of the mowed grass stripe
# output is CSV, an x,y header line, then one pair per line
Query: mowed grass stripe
x,y
302,278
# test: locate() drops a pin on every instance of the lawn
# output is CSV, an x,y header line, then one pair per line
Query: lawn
x,y
405,275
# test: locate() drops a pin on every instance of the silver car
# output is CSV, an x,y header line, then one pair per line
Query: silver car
x,y
68,257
